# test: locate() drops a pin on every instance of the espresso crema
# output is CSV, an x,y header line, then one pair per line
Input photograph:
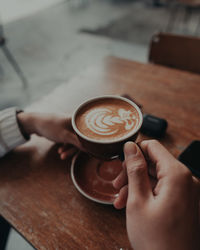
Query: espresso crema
x,y
107,119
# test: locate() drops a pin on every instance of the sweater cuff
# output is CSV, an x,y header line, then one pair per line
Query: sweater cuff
x,y
10,131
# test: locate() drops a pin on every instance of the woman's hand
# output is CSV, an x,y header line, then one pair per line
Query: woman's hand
x,y
56,128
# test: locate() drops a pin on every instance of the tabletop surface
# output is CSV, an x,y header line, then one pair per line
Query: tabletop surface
x,y
37,195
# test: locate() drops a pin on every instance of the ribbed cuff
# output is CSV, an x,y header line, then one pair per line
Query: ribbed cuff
x,y
9,129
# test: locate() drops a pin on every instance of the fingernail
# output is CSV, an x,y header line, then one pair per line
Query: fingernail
x,y
113,182
130,149
62,156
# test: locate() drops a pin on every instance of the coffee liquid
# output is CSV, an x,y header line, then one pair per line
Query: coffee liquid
x,y
107,119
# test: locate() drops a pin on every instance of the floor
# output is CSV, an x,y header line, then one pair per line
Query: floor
x,y
47,43
50,49
44,37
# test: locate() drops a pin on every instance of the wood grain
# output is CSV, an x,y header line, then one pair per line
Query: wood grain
x,y
36,192
176,51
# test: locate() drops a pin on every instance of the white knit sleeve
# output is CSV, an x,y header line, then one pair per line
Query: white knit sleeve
x,y
10,134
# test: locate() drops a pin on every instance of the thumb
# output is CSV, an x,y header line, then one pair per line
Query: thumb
x,y
139,187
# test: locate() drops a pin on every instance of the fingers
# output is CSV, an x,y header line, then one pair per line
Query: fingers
x,y
196,182
68,124
172,176
64,148
122,179
138,181
176,178
121,183
120,201
158,155
69,135
71,138
67,151
68,154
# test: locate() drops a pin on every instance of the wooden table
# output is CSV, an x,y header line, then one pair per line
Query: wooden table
x,y
36,192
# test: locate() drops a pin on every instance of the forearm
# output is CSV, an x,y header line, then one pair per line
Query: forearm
x,y
10,133
16,127
54,127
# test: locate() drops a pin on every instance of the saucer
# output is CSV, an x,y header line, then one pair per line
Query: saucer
x,y
93,177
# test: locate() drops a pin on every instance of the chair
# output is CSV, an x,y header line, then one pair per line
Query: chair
x,y
195,3
176,51
11,59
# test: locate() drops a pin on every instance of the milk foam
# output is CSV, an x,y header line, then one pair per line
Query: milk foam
x,y
101,121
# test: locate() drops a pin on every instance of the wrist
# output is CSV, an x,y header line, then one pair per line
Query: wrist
x,y
26,122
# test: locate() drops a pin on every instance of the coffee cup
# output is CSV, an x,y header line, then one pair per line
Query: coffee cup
x,y
103,124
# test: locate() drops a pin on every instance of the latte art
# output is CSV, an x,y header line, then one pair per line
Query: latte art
x,y
102,121
107,119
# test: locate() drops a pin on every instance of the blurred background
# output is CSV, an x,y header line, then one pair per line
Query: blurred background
x,y
45,43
